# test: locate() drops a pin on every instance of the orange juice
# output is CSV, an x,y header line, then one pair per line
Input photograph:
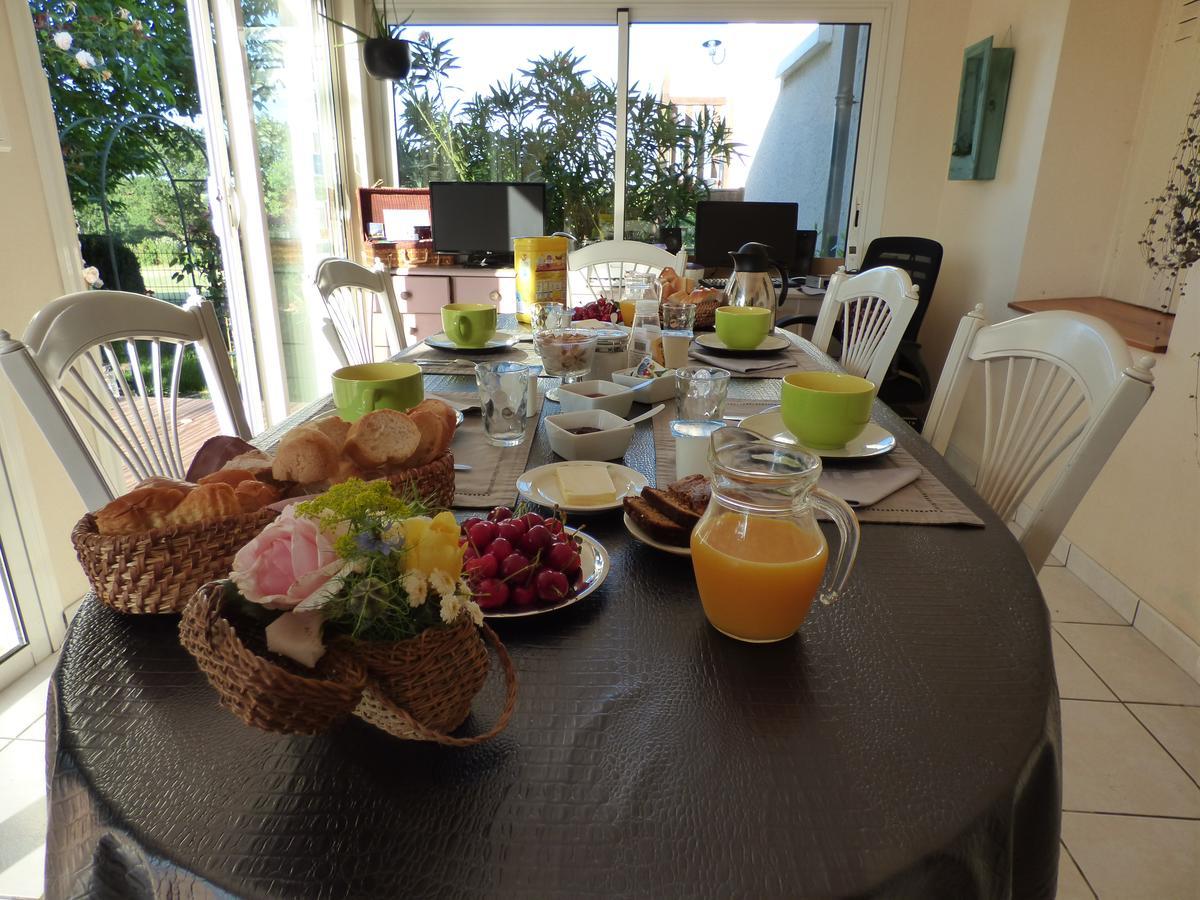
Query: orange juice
x,y
757,575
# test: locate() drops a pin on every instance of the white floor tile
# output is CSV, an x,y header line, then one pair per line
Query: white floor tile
x,y
35,732
1112,765
22,818
1070,600
24,701
1178,729
1103,582
1075,680
1135,670
1134,857
1071,885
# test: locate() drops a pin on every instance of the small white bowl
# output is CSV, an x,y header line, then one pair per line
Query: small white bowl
x,y
661,391
610,443
614,398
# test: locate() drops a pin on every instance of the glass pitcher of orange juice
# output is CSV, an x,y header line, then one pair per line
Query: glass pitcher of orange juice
x,y
758,553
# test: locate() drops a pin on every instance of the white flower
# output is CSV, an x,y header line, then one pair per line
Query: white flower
x,y
123,13
415,587
91,277
62,40
473,611
452,607
85,59
442,583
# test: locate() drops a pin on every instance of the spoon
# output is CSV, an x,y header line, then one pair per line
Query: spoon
x,y
461,467
650,413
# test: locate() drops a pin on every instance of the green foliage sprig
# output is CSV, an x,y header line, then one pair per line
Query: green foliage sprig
x,y
1171,241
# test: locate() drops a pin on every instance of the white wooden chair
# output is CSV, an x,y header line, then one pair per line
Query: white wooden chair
x,y
353,295
606,264
875,307
78,369
1056,385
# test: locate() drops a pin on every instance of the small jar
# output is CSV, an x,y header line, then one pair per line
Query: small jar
x,y
611,353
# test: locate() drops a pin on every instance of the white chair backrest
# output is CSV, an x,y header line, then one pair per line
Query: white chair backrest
x,y
875,307
353,295
79,369
606,264
1056,385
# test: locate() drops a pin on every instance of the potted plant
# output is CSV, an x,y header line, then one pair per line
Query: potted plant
x,y
1171,241
386,55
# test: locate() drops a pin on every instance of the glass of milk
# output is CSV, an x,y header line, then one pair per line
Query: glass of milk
x,y
678,328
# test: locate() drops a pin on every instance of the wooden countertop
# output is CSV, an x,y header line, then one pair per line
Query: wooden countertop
x,y
1141,327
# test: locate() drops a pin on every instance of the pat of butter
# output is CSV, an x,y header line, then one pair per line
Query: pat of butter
x,y
585,485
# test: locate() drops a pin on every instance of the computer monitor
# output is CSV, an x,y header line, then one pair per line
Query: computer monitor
x,y
723,226
481,218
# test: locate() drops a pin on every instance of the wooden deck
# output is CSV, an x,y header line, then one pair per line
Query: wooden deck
x,y
197,423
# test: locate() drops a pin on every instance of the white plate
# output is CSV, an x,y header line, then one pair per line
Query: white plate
x,y
772,343
593,560
639,535
875,440
540,486
501,340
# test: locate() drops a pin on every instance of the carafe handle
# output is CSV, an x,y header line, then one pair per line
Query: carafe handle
x,y
847,525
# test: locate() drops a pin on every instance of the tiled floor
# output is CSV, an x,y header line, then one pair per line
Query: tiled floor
x,y
1131,748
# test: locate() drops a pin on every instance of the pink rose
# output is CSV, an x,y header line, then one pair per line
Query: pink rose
x,y
290,561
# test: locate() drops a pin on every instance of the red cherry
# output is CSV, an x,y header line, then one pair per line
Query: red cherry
x,y
500,548
558,557
531,519
512,529
499,514
468,523
482,534
469,554
485,566
536,538
515,567
551,586
555,525
523,595
491,593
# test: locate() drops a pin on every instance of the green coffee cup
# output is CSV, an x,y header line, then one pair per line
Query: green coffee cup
x,y
469,324
357,390
825,410
743,327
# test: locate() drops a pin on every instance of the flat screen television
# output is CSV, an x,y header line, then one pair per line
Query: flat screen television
x,y
481,218
722,226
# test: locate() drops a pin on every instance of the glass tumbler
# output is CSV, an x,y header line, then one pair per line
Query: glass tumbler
x,y
566,353
678,328
700,392
503,395
548,315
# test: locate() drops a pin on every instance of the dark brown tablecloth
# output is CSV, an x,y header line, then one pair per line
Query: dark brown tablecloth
x,y
905,744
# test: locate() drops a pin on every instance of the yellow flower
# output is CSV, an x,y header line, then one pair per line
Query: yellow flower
x,y
431,545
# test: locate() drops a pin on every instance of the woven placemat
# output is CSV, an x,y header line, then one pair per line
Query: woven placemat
x,y
925,501
769,365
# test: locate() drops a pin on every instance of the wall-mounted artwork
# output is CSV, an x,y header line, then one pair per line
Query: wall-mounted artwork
x,y
982,97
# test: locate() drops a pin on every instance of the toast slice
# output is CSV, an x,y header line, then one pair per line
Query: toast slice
x,y
693,492
655,524
667,504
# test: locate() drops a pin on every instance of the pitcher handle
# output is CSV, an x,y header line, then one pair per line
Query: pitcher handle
x,y
847,525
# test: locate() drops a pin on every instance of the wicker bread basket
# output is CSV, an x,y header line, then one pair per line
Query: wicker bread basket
x,y
261,692
158,571
433,482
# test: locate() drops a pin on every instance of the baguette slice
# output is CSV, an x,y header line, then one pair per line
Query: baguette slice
x,y
432,430
672,507
382,437
305,455
655,524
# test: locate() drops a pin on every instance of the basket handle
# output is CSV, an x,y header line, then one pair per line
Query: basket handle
x,y
425,733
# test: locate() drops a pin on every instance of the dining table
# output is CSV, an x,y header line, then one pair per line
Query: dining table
x,y
906,742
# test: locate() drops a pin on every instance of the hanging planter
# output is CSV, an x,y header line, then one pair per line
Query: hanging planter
x,y
387,58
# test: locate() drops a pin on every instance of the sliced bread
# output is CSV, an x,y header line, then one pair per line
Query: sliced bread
x,y
693,492
671,506
305,455
381,438
655,524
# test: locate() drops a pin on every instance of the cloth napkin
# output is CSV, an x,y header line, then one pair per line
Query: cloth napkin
x,y
461,402
744,365
864,487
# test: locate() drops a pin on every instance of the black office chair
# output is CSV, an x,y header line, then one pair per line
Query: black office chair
x,y
906,388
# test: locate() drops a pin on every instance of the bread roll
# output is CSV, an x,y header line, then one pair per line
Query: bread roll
x,y
231,477
206,502
253,495
382,437
142,509
256,462
432,430
305,455
333,427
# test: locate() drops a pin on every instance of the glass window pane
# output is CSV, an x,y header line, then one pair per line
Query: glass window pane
x,y
12,632
743,111
515,103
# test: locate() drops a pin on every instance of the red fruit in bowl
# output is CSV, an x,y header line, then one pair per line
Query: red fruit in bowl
x,y
531,519
551,586
555,525
499,514
482,534
536,538
512,529
558,557
515,567
491,593
523,595
470,553
480,567
500,548
467,524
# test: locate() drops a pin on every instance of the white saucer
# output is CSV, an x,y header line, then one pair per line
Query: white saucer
x,y
639,535
540,486
772,343
501,340
875,440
